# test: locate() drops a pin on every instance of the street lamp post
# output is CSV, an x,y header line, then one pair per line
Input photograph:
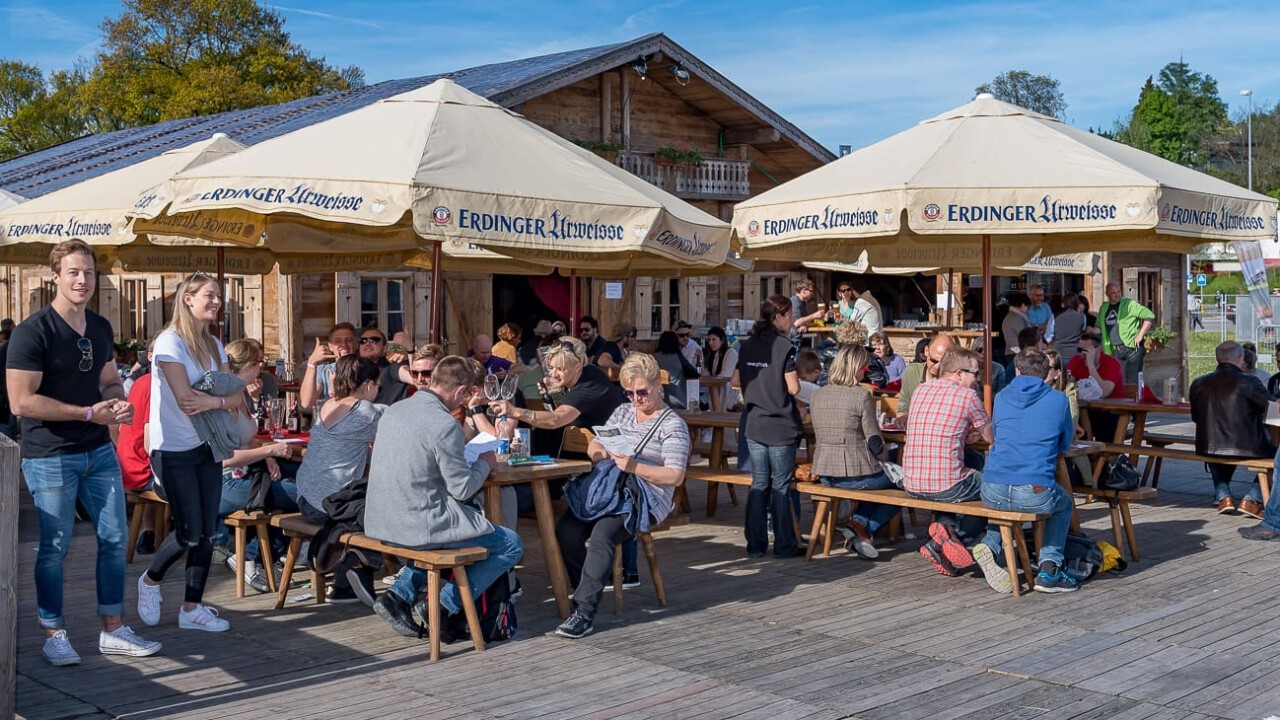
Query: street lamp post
x,y
1249,123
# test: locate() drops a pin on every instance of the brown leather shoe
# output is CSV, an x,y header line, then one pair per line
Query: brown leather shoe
x,y
860,542
1227,506
1251,508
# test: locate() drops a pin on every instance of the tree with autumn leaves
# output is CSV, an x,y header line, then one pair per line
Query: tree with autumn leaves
x,y
162,60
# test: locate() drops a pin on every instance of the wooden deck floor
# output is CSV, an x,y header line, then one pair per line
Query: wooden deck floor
x,y
1190,632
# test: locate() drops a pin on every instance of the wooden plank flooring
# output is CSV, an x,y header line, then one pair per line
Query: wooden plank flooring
x,y
1189,633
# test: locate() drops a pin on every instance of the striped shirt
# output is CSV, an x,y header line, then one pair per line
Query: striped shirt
x,y
669,447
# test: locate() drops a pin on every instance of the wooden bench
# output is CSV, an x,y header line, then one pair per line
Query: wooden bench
x,y
713,477
145,502
241,521
1151,470
1009,521
1263,467
432,561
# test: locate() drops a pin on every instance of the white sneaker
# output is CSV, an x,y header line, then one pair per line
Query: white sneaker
x,y
123,641
202,618
391,579
231,562
58,650
149,600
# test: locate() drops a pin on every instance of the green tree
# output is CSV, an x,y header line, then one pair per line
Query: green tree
x,y
1039,93
167,59
1177,116
36,113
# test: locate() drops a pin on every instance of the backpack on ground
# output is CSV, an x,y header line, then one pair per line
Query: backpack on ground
x,y
1081,556
497,610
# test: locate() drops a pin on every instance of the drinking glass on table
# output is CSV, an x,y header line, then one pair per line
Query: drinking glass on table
x,y
275,418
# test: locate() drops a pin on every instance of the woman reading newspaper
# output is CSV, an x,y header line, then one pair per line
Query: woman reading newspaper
x,y
652,444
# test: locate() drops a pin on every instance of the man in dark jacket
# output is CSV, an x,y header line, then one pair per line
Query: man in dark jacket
x,y
1228,407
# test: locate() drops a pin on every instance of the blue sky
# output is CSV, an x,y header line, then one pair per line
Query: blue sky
x,y
846,73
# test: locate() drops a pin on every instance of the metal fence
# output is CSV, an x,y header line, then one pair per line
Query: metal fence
x,y
1237,319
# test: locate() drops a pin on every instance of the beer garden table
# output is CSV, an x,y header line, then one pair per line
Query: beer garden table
x,y
538,476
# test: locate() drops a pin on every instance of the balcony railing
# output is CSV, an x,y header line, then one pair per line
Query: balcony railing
x,y
713,179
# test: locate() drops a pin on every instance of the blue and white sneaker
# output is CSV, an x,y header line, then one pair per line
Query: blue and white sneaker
x,y
1056,581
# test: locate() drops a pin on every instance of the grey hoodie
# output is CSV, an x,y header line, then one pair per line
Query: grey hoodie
x,y
216,427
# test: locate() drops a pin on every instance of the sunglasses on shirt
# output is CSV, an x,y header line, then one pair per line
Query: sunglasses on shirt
x,y
85,346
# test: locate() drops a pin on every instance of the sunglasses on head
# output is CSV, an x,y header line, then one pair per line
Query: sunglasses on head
x,y
371,341
642,393
85,346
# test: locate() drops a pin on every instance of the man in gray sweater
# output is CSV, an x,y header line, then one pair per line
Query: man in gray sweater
x,y
421,495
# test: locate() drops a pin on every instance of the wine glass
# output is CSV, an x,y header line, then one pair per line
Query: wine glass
x,y
508,389
275,412
492,387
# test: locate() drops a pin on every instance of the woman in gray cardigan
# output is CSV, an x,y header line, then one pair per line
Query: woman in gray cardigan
x,y
848,444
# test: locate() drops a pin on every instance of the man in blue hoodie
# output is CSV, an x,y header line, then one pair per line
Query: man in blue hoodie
x,y
1032,427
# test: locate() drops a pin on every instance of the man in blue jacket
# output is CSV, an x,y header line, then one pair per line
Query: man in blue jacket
x,y
1032,427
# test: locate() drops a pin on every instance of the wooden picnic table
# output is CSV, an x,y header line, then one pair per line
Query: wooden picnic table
x,y
1131,409
538,476
714,385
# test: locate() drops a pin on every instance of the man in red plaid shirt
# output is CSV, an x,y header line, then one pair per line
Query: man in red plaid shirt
x,y
946,414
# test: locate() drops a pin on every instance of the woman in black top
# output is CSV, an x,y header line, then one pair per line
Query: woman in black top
x,y
767,375
589,398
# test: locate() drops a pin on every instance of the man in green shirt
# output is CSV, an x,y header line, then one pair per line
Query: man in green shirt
x,y
1124,324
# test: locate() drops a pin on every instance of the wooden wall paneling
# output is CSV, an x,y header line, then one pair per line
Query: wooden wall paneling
x,y
316,308
751,296
109,303
624,107
468,308
157,299
253,306
695,304
643,308
421,321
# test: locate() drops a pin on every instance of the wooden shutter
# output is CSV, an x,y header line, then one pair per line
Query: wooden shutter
x,y
419,321
695,304
109,303
346,302
644,308
155,304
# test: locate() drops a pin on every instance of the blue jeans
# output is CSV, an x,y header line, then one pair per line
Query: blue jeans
x,y
968,528
871,516
55,483
504,548
1222,475
744,453
1051,499
235,495
1271,516
773,468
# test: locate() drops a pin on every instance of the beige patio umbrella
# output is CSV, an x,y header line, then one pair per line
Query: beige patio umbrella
x,y
990,175
439,164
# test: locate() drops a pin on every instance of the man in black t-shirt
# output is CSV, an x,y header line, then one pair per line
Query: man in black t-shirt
x,y
599,351
63,383
373,346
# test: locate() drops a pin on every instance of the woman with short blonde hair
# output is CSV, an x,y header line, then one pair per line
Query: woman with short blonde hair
x,y
589,398
658,468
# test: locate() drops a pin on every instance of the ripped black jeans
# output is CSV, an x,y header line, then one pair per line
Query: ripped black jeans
x,y
192,481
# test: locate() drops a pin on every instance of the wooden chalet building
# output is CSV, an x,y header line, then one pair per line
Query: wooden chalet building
x,y
628,101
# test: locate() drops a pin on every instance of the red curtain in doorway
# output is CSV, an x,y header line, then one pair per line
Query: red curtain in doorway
x,y
553,291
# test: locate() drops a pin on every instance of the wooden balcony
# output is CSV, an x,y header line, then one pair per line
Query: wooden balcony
x,y
713,179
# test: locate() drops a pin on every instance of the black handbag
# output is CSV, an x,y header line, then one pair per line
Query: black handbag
x,y
1118,474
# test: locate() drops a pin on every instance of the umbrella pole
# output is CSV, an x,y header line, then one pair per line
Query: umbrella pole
x,y
950,290
573,301
986,325
220,255
433,332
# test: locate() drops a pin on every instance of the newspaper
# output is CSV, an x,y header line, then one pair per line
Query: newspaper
x,y
480,444
612,440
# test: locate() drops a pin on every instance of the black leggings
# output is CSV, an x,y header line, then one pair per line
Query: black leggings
x,y
588,565
192,481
